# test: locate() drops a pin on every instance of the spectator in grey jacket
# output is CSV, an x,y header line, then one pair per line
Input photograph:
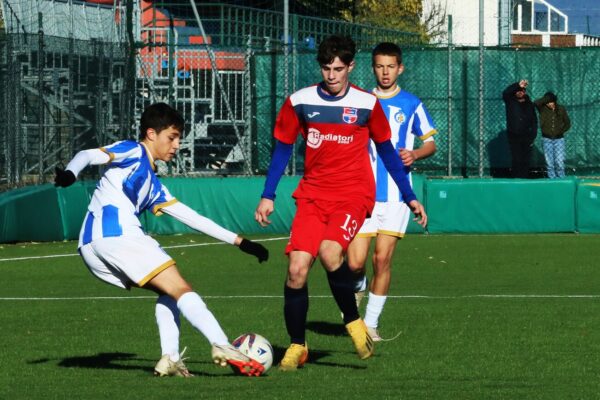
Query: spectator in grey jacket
x,y
554,122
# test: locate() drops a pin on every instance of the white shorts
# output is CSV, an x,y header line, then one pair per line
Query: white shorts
x,y
387,218
125,261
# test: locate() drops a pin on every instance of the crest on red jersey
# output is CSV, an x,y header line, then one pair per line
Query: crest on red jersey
x,y
350,115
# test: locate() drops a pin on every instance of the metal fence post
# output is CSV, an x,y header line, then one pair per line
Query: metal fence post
x,y
41,130
449,172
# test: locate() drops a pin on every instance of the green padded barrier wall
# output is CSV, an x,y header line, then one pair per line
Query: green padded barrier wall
x,y
30,214
228,201
501,205
588,207
43,213
46,213
73,202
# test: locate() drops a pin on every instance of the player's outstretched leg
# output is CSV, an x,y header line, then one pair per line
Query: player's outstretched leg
x,y
361,338
227,354
166,366
295,357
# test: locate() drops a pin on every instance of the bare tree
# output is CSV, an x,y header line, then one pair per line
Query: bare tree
x,y
435,20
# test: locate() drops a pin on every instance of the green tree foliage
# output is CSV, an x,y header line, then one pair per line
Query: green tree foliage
x,y
402,15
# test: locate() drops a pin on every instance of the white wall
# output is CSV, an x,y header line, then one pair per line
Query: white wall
x,y
465,21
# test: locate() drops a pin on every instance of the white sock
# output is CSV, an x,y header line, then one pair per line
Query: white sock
x,y
194,310
374,309
167,319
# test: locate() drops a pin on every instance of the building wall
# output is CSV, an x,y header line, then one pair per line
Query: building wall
x,y
465,20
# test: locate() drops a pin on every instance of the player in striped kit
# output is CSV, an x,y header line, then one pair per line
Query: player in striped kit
x,y
337,191
408,118
116,250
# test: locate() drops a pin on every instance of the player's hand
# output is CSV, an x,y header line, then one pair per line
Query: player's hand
x,y
419,211
63,177
256,249
264,209
408,157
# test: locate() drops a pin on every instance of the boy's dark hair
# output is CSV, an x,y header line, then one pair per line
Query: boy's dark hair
x,y
336,46
387,49
551,97
159,116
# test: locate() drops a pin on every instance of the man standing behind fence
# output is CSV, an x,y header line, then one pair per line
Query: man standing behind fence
x,y
521,124
554,122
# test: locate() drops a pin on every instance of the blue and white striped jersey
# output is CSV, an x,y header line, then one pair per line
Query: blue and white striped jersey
x,y
127,188
408,118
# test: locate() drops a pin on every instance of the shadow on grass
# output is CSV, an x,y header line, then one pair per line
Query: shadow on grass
x,y
115,361
326,328
314,357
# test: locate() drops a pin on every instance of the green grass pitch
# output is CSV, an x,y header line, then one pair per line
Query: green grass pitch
x,y
479,317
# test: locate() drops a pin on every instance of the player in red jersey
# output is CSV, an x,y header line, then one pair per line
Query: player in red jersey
x,y
337,191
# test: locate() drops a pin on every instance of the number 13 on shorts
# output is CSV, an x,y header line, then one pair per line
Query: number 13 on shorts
x,y
350,226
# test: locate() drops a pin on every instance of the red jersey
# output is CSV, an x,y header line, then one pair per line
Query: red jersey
x,y
337,132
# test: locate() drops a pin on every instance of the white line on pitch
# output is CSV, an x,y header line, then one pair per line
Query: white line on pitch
x,y
165,247
483,296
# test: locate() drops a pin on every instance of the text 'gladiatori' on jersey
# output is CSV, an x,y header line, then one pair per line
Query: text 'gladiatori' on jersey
x,y
315,138
337,130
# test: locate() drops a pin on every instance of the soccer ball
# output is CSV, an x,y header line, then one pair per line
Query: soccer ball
x,y
256,347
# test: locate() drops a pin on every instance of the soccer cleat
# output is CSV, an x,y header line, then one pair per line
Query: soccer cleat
x,y
374,334
166,367
361,338
294,358
227,354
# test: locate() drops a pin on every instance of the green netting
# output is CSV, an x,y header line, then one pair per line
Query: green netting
x,y
470,118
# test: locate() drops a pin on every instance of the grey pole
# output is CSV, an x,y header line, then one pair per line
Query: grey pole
x,y
481,110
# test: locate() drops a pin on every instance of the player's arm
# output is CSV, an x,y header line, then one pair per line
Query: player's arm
x,y
427,149
287,126
509,93
191,218
398,173
424,128
279,160
68,176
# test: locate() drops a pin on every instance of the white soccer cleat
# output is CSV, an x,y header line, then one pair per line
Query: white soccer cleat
x,y
374,333
227,354
167,367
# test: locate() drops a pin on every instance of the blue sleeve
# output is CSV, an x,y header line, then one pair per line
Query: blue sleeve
x,y
279,160
396,169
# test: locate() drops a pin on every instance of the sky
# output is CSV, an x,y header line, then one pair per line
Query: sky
x,y
578,12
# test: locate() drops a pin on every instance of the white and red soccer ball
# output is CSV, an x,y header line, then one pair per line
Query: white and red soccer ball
x,y
256,347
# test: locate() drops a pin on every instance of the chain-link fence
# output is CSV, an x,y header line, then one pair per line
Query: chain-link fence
x,y
462,89
228,70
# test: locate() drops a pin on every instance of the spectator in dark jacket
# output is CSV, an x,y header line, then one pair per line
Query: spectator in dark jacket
x,y
521,124
554,122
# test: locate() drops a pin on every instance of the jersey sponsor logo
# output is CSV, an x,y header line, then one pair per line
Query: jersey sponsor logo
x,y
315,138
350,115
313,114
